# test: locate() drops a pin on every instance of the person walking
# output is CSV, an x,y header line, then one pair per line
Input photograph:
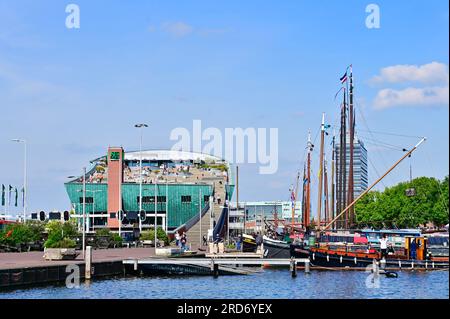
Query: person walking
x,y
383,246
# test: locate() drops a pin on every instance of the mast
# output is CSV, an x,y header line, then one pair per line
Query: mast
x,y
325,186
308,182
319,197
332,201
351,119
303,195
342,163
295,201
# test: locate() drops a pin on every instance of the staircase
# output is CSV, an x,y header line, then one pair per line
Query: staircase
x,y
195,234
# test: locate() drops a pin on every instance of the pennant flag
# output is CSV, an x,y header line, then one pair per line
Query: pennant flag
x,y
17,195
3,195
9,194
343,78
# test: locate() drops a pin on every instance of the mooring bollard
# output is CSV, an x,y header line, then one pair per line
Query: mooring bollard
x,y
307,266
214,268
87,262
293,268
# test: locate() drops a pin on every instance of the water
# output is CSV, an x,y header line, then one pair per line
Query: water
x,y
271,284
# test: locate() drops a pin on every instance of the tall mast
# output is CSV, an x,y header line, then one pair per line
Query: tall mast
x,y
332,201
351,119
308,182
325,186
319,197
342,162
304,195
295,200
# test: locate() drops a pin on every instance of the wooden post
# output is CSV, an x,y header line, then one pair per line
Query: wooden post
x,y
307,266
88,262
293,268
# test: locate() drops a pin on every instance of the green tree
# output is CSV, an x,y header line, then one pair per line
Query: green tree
x,y
393,206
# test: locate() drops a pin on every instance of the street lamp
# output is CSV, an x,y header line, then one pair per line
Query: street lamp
x,y
84,208
140,126
24,176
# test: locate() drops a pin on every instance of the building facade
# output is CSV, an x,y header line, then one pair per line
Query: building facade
x,y
360,170
176,187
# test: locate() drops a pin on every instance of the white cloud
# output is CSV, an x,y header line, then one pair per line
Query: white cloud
x,y
177,29
427,96
433,72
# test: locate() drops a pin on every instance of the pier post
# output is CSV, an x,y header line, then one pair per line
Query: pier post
x,y
88,262
293,268
214,268
307,266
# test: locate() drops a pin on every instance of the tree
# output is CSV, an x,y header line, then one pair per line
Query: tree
x,y
394,208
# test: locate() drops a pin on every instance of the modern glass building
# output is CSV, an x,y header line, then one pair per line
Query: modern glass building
x,y
360,172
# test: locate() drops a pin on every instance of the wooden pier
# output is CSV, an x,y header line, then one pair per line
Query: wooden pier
x,y
223,265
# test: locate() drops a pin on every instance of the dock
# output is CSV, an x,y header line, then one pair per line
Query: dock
x,y
215,265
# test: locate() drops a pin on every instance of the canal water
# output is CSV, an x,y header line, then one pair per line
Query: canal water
x,y
272,284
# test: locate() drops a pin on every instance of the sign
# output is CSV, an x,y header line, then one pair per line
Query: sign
x,y
410,192
114,156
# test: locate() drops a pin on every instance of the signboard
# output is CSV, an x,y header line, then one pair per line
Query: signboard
x,y
410,192
114,156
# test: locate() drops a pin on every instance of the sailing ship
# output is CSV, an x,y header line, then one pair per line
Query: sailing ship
x,y
334,241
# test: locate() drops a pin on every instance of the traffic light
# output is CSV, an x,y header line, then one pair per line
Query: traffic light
x,y
66,215
142,215
41,215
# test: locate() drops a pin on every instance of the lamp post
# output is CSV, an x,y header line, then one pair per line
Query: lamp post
x,y
140,126
24,176
84,212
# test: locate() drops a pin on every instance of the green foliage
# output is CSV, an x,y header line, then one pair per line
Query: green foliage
x,y
103,232
117,239
59,234
394,208
150,235
22,233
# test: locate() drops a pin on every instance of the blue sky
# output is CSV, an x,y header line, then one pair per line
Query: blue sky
x,y
261,64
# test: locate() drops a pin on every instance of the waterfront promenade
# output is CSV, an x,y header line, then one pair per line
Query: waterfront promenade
x,y
35,258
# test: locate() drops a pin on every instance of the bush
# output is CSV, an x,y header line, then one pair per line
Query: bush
x,y
150,235
16,234
59,233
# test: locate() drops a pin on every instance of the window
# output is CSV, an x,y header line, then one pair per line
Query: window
x,y
186,199
151,199
146,199
112,215
89,200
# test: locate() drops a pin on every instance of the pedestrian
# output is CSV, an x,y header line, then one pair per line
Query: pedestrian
x,y
205,241
383,246
183,241
177,239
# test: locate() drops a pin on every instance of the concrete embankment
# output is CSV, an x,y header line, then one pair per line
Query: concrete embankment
x,y
26,269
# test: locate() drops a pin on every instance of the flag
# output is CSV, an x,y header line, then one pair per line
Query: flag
x,y
23,196
17,194
3,195
9,194
343,78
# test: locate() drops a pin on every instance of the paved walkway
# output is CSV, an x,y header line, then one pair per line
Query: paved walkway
x,y
35,258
